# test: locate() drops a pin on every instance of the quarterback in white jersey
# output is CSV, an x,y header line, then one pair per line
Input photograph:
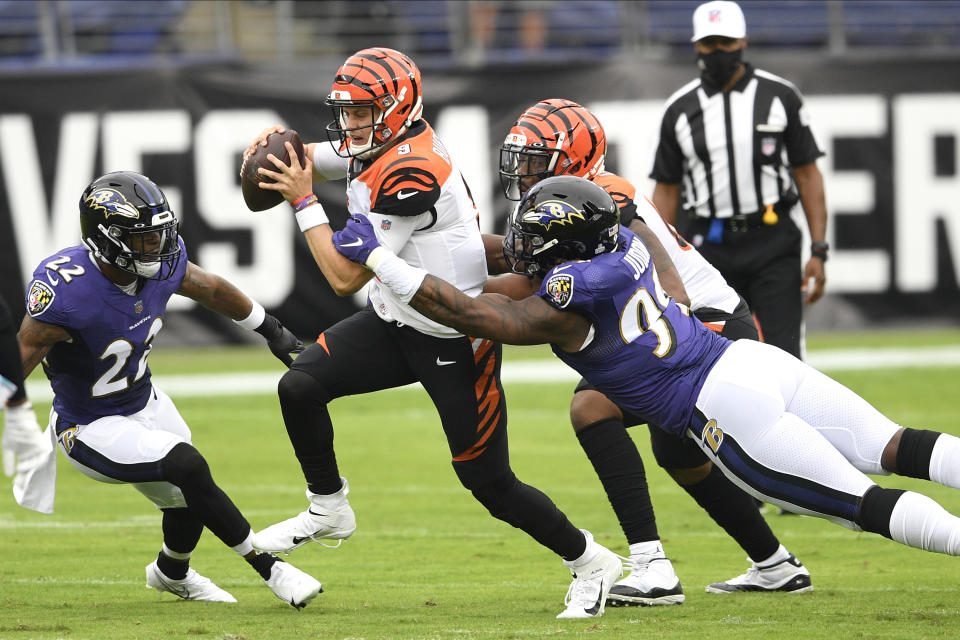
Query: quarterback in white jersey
x,y
421,209
401,177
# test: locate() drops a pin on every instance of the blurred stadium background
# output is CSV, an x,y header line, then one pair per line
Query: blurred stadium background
x,y
177,89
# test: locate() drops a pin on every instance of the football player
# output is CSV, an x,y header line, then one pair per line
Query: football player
x,y
24,447
400,174
560,137
93,311
775,426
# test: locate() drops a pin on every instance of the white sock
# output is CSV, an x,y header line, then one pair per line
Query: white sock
x,y
175,555
920,522
779,555
651,549
945,461
244,547
588,554
331,501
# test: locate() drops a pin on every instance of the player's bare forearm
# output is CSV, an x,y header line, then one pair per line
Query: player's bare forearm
x,y
215,293
36,339
496,261
666,271
344,277
493,316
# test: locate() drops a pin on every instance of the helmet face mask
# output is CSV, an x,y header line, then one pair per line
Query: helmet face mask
x,y
383,80
522,165
565,135
560,219
126,222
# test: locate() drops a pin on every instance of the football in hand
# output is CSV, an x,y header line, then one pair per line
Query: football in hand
x,y
258,199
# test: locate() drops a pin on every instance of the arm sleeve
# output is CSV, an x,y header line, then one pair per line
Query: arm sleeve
x,y
327,163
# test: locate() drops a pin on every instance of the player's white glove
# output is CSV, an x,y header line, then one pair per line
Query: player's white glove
x,y
24,445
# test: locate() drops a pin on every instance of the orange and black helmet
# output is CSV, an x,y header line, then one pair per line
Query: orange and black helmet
x,y
554,137
386,81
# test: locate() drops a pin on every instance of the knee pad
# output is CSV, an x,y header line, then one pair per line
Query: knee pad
x,y
875,509
914,452
295,386
183,464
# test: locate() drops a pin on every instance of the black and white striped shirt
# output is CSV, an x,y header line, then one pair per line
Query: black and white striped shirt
x,y
732,151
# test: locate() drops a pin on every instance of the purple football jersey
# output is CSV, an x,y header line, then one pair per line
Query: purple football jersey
x,y
103,370
648,354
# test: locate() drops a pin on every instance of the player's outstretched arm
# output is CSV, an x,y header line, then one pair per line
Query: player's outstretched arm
x,y
493,316
666,271
219,295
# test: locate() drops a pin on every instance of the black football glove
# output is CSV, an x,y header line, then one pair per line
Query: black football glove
x,y
281,342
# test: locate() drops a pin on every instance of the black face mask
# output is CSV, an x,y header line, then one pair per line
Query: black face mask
x,y
718,66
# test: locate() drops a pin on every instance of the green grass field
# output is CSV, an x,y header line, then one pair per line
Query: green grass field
x,y
428,562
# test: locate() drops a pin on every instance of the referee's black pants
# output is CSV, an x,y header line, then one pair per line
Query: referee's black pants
x,y
763,265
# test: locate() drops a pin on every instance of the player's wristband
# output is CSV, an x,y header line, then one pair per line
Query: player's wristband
x,y
819,250
312,215
399,277
303,202
255,319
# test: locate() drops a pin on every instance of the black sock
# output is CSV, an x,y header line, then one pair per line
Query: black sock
x,y
736,512
181,530
173,569
618,465
262,562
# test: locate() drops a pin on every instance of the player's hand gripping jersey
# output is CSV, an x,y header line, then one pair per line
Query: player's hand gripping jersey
x,y
421,209
103,370
704,284
668,353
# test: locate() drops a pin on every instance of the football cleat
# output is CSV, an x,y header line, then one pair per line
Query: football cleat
x,y
651,582
193,587
787,575
319,522
587,595
292,585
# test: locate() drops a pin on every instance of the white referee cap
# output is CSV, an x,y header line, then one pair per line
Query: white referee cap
x,y
718,18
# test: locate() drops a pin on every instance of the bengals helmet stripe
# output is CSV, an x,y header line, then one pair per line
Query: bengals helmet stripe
x,y
561,131
386,81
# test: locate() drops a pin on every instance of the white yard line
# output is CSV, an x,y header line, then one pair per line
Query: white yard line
x,y
536,371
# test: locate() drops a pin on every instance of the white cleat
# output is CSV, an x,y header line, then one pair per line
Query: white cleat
x,y
787,575
652,582
319,522
587,595
292,585
193,587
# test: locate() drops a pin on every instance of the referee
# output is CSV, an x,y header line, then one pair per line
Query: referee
x,y
738,145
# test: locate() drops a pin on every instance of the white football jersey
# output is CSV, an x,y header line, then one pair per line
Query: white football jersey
x,y
422,210
704,284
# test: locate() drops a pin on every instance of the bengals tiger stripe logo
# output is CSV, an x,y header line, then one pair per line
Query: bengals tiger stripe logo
x,y
409,184
570,128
